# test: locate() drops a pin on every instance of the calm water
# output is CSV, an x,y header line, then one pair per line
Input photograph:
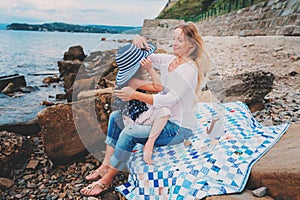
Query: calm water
x,y
28,53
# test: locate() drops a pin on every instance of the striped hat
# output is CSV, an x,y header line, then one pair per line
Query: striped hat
x,y
128,59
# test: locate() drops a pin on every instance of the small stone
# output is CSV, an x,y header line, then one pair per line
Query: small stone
x,y
32,164
31,185
278,49
18,196
36,140
54,197
92,198
6,183
63,195
260,192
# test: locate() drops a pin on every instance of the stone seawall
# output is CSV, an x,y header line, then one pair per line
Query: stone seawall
x,y
273,17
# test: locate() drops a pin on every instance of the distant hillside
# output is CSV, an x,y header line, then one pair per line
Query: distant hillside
x,y
63,27
186,9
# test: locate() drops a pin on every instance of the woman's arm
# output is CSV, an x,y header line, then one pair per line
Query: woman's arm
x,y
154,86
128,93
178,85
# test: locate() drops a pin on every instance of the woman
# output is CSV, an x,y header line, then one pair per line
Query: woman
x,y
181,76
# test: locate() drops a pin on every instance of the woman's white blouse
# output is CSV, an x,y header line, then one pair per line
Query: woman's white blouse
x,y
179,89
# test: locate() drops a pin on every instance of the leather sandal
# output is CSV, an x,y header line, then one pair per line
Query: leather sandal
x,y
94,175
88,190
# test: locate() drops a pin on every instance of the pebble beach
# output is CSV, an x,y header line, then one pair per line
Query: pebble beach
x,y
231,55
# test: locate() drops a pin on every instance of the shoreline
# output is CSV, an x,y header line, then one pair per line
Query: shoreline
x,y
231,55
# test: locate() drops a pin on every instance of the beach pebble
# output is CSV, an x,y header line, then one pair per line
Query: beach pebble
x,y
260,192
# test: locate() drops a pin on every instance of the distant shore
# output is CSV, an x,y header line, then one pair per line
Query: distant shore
x,y
63,27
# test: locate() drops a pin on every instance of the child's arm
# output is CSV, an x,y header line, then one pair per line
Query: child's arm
x,y
154,86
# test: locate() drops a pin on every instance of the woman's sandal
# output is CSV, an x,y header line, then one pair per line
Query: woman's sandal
x,y
95,175
105,188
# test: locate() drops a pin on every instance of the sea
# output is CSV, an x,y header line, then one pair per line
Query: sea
x,y
35,54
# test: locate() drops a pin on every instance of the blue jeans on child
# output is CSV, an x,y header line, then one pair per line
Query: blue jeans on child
x,y
123,139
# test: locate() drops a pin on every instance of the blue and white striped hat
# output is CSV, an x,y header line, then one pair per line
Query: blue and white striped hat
x,y
128,59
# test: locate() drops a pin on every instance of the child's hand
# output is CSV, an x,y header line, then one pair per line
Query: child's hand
x,y
147,153
125,93
146,63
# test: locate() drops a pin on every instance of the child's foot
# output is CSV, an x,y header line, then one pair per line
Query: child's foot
x,y
147,155
212,124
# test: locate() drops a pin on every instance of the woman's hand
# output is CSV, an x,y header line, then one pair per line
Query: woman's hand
x,y
146,63
140,42
125,94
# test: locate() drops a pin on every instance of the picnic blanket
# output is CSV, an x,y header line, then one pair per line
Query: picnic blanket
x,y
210,165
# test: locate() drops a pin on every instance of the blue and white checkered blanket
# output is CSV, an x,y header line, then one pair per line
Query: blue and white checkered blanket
x,y
210,165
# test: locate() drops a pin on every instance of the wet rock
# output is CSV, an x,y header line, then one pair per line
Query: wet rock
x,y
9,89
48,103
51,79
28,89
16,80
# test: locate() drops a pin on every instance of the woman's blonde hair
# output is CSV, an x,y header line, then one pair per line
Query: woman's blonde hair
x,y
199,55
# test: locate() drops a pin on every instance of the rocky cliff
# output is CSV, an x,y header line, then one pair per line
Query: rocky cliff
x,y
272,17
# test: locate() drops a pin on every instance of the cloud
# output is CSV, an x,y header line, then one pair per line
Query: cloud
x,y
114,12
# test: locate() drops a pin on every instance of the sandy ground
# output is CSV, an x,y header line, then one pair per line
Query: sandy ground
x,y
277,54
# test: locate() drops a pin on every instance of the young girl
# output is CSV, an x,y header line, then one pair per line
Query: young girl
x,y
137,112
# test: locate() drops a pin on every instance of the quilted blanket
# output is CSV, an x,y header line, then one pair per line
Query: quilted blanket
x,y
214,164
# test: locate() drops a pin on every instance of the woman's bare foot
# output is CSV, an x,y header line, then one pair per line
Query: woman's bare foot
x,y
97,188
98,173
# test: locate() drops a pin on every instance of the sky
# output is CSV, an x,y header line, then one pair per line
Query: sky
x,y
100,12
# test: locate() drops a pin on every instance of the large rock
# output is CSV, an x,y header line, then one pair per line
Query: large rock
x,y
17,80
31,127
82,75
279,170
245,195
250,87
68,67
100,63
15,151
69,130
92,93
74,53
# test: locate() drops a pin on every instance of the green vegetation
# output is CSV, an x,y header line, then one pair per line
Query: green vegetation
x,y
63,27
195,10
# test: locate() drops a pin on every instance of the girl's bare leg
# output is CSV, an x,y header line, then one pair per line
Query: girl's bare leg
x,y
157,127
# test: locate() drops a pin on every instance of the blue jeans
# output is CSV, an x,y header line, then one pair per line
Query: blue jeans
x,y
123,139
